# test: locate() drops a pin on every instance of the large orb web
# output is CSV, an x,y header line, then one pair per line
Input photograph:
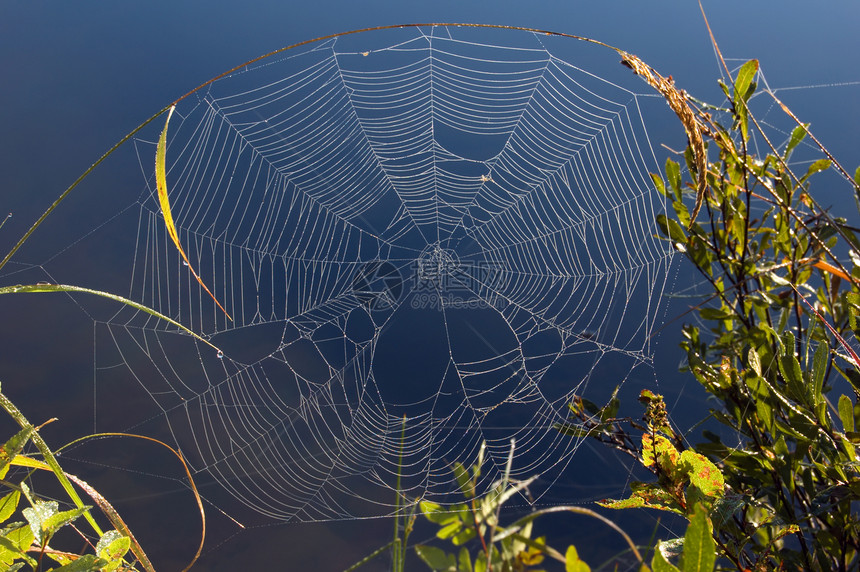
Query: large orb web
x,y
426,238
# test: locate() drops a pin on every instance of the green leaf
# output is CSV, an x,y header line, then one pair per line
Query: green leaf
x,y
112,547
13,447
816,167
661,451
630,502
465,561
744,79
57,521
38,288
743,90
439,514
673,174
754,361
610,410
22,537
699,547
481,563
846,413
658,183
86,563
8,504
449,530
797,136
572,563
36,515
462,476
703,473
791,373
436,558
819,368
648,495
659,563
9,551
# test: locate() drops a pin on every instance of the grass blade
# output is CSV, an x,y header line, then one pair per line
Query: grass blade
x,y
36,288
161,184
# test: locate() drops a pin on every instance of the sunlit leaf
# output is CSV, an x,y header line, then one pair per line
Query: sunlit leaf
x,y
703,473
658,183
572,563
436,558
36,516
789,367
819,368
699,547
672,229
22,537
754,361
673,174
659,450
8,504
659,563
817,167
439,514
56,521
745,76
465,561
743,91
462,476
846,413
645,495
85,563
161,184
112,547
797,136
449,530
13,447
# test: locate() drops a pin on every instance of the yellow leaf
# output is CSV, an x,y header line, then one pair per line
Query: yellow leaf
x,y
161,184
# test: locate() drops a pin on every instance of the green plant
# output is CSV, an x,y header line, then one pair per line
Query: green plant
x,y
477,522
26,544
688,484
783,275
771,356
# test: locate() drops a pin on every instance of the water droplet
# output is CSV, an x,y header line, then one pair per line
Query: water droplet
x,y
184,263
220,354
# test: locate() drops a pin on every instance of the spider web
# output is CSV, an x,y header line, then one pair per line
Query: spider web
x,y
429,240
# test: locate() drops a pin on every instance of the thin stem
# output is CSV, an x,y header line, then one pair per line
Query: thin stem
x,y
78,181
397,547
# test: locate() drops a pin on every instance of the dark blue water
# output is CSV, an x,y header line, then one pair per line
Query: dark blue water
x,y
79,77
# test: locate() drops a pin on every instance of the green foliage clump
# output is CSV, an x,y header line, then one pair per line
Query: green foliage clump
x,y
505,548
775,348
26,532
780,486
